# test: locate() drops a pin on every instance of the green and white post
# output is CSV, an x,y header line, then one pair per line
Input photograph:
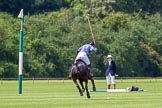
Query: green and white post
x,y
21,16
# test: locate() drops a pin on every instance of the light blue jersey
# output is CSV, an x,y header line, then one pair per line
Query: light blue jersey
x,y
87,48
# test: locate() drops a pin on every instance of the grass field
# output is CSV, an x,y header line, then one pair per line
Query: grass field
x,y
64,94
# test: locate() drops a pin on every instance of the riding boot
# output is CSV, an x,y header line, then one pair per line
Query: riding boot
x,y
69,77
90,71
114,86
108,86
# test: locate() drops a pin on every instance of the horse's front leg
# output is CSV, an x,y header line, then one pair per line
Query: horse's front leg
x,y
86,87
81,83
77,85
93,84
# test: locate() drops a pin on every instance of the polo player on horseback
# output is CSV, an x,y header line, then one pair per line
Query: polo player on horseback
x,y
83,53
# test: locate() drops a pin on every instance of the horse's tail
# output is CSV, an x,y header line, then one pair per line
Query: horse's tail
x,y
78,67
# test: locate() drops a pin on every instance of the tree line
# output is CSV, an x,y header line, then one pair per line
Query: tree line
x,y
131,33
41,6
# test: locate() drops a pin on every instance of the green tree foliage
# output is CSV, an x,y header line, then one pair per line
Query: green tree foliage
x,y
32,6
8,48
51,39
130,6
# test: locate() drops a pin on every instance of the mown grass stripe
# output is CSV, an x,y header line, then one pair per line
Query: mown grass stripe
x,y
59,94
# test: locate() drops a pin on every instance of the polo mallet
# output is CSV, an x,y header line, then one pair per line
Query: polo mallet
x,y
92,36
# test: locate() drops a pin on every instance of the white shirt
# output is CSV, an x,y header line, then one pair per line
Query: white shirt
x,y
110,62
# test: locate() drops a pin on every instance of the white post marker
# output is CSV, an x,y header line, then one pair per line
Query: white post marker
x,y
21,16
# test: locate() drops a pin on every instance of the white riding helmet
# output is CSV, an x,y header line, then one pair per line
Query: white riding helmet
x,y
109,56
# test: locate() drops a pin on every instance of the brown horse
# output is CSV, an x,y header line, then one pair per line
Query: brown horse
x,y
80,71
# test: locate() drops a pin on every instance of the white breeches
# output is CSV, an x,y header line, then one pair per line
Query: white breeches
x,y
83,56
110,79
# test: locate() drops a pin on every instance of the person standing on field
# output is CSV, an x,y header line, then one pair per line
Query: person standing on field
x,y
110,72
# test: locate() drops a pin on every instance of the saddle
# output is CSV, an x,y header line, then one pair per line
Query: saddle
x,y
79,60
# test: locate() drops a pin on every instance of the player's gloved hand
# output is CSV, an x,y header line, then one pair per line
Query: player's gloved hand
x,y
95,49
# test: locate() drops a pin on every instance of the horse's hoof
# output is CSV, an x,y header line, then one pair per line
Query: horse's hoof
x,y
88,97
81,94
94,89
